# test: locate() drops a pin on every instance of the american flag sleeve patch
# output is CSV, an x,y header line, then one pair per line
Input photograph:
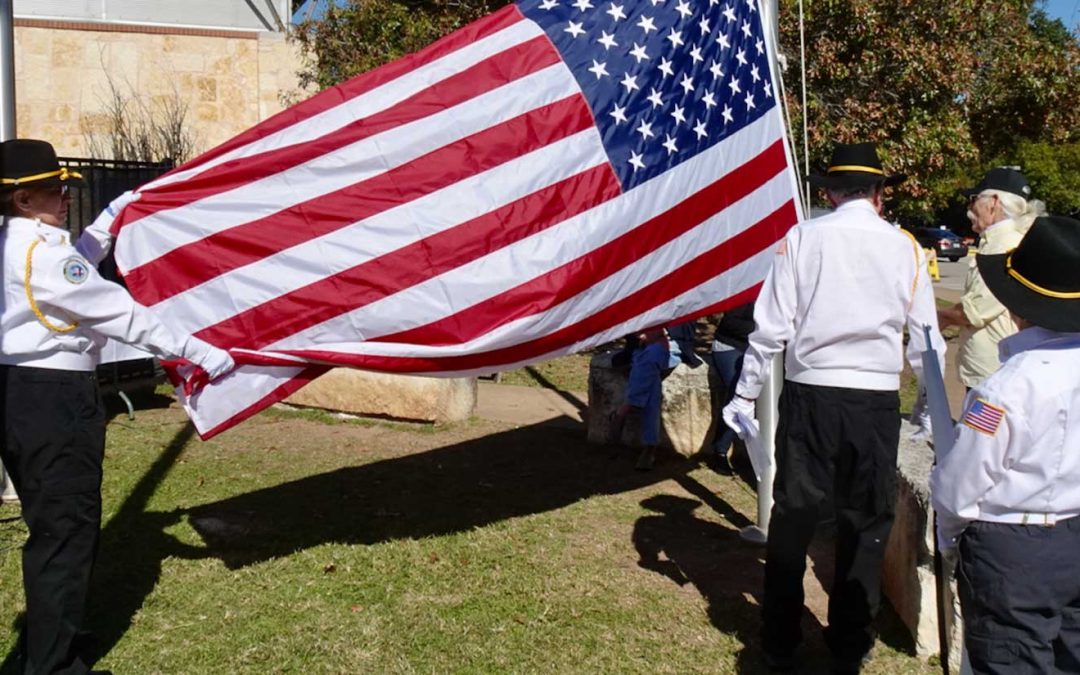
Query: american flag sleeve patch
x,y
984,417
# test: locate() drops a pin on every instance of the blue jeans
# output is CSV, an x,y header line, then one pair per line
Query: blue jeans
x,y
728,366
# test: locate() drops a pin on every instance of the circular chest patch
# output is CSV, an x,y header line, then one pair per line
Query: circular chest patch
x,y
76,270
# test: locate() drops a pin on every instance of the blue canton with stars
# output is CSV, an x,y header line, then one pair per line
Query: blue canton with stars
x,y
666,79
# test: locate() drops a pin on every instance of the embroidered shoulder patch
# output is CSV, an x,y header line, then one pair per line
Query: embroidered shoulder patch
x,y
984,417
76,270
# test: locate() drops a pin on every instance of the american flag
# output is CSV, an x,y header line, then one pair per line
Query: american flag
x,y
542,181
984,417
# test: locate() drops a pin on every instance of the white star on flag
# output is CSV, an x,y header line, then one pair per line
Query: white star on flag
x,y
635,160
646,24
607,39
683,8
669,143
574,29
598,69
699,129
729,13
619,113
750,101
645,129
734,86
639,53
665,67
616,12
655,98
678,114
675,38
630,82
687,84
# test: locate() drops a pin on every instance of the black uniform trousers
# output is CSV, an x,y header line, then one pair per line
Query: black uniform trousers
x,y
835,448
1020,596
54,443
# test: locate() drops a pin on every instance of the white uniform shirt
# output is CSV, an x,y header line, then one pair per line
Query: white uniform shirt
x,y
989,319
1016,458
67,289
840,292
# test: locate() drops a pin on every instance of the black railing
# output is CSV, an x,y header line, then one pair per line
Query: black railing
x,y
106,180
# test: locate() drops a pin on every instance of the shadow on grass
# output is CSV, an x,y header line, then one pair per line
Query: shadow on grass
x,y
452,489
727,571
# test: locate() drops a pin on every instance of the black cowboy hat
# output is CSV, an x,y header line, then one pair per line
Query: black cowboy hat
x,y
855,165
1038,279
26,162
1004,179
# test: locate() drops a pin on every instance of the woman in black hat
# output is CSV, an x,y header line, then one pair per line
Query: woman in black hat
x,y
58,313
1008,492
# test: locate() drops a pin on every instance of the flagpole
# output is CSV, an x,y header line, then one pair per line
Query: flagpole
x,y
7,131
768,401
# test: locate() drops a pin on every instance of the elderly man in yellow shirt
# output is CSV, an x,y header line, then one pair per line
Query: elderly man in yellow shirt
x,y
1001,212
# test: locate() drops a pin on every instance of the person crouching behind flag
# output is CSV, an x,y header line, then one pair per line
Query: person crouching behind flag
x,y
57,314
1008,492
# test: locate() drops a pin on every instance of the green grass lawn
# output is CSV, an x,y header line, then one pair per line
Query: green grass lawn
x,y
296,543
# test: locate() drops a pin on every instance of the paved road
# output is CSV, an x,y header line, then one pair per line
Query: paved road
x,y
952,278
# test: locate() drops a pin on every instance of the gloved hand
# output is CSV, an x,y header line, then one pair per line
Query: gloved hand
x,y
738,405
216,362
96,240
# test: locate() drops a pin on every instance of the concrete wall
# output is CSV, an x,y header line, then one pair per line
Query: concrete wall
x,y
231,81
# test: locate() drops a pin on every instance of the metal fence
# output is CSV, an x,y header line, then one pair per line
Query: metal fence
x,y
106,180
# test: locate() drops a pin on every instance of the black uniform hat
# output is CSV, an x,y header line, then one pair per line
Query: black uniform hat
x,y
1003,179
25,162
1038,280
855,165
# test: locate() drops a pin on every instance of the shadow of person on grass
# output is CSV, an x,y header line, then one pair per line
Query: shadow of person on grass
x,y
727,571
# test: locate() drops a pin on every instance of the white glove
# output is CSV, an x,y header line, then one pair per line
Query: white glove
x,y
216,362
738,405
96,240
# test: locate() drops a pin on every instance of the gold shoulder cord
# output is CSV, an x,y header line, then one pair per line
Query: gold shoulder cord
x,y
915,281
30,296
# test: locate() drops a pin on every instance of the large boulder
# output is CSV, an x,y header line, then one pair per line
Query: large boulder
x,y
685,413
403,397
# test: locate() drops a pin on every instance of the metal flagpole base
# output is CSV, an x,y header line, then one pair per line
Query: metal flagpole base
x,y
754,535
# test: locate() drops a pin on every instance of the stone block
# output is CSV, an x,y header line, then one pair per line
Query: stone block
x,y
685,413
908,568
404,397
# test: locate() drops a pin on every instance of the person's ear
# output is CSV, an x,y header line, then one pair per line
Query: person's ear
x,y
20,199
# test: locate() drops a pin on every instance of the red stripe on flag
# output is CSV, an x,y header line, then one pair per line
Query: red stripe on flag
x,y
413,264
487,75
562,283
744,245
200,261
357,86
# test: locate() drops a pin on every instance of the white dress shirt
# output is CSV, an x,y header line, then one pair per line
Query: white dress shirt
x,y
841,290
1028,470
68,290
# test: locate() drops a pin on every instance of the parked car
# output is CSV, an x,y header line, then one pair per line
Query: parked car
x,y
946,244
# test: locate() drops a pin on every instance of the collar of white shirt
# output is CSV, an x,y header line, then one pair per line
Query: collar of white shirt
x,y
1036,337
858,204
988,233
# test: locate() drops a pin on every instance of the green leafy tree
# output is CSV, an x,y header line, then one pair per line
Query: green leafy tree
x,y
364,34
944,88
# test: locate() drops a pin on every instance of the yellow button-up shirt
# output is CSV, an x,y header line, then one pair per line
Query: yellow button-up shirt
x,y
989,319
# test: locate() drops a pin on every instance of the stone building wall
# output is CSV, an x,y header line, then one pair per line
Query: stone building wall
x,y
230,79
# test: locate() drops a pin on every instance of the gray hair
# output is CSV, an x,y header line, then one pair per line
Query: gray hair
x,y
1021,211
